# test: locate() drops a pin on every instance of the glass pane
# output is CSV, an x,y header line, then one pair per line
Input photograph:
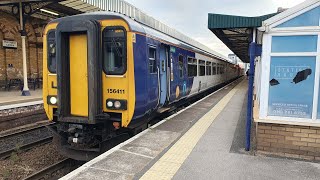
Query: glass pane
x,y
52,63
152,53
291,86
152,60
310,18
202,70
114,57
192,70
214,68
294,43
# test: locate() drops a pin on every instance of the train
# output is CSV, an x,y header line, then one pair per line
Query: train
x,y
105,74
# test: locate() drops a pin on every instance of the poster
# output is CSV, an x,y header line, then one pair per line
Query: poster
x,y
291,86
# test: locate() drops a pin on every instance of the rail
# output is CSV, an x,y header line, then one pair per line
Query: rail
x,y
51,172
27,146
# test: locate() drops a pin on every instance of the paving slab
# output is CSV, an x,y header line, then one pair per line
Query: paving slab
x,y
14,97
150,144
103,175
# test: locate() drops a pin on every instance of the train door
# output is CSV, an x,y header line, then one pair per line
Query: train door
x,y
163,74
78,73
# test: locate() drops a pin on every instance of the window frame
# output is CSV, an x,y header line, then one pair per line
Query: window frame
x,y
193,63
199,67
222,69
265,76
151,46
125,68
48,57
214,65
208,67
218,69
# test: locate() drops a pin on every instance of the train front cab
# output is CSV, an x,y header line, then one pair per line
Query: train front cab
x,y
88,78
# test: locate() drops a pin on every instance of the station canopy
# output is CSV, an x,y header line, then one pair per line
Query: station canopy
x,y
45,9
236,31
52,9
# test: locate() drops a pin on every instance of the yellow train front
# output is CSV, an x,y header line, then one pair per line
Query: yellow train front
x,y
90,99
106,75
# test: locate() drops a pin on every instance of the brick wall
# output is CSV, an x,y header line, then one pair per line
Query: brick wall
x,y
9,30
302,142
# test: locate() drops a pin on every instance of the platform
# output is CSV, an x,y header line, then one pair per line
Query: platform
x,y
203,141
14,97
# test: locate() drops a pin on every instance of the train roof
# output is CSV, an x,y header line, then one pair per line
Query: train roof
x,y
139,27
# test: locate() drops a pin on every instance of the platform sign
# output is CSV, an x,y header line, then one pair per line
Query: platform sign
x,y
9,44
291,86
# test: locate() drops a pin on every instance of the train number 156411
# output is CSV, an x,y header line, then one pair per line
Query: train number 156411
x,y
115,91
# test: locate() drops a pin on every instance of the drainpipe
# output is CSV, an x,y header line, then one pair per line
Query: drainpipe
x,y
25,91
252,53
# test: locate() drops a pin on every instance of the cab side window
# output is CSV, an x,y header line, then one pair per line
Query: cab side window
x,y
51,50
114,51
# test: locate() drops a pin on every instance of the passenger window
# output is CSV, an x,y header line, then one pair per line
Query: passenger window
x,y
208,68
218,69
214,68
152,60
114,51
192,67
180,66
51,50
222,69
202,68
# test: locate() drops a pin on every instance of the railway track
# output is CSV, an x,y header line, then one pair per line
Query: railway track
x,y
23,140
55,171
16,115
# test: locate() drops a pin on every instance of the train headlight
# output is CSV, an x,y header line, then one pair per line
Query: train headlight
x,y
52,100
117,104
110,104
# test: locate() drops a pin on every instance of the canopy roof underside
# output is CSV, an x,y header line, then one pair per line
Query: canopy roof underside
x,y
236,31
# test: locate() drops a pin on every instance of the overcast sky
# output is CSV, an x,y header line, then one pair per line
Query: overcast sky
x,y
190,16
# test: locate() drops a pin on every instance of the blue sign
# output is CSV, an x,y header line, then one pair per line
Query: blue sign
x,y
291,86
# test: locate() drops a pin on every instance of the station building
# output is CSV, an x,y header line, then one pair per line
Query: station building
x,y
11,48
36,13
285,50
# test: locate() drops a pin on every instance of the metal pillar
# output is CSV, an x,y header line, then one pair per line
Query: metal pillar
x,y
25,91
252,53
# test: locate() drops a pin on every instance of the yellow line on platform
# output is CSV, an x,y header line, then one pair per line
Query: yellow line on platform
x,y
167,166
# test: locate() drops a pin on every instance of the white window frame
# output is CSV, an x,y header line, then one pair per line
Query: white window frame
x,y
265,76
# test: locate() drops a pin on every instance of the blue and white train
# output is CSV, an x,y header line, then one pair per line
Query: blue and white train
x,y
105,74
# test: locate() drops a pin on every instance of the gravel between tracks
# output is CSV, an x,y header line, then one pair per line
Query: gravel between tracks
x,y
20,165
25,138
